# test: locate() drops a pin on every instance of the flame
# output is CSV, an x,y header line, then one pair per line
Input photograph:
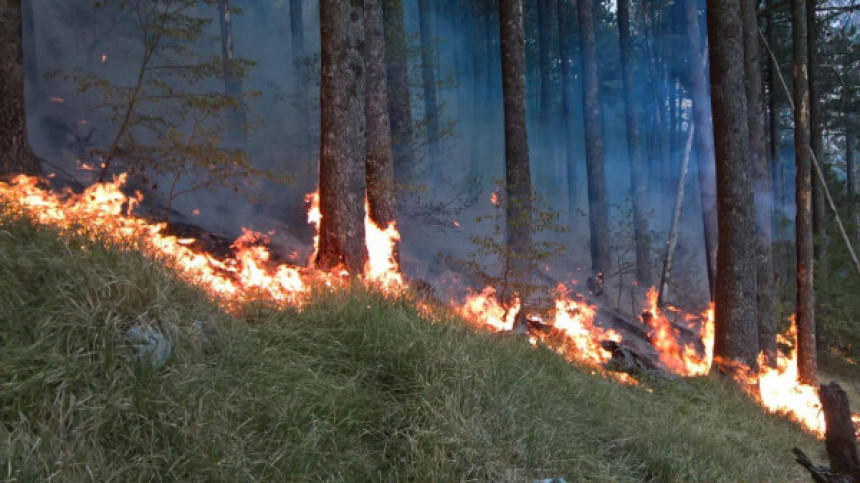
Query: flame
x,y
382,267
681,358
314,219
104,211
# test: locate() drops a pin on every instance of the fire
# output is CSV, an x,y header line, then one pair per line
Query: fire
x,y
382,267
314,219
681,358
104,211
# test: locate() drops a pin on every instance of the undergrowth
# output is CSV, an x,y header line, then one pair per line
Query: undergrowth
x,y
354,388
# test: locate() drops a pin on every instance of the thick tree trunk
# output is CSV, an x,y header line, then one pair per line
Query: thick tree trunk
x,y
428,77
765,303
566,16
399,100
736,331
379,162
594,147
805,308
16,156
819,213
638,166
236,118
704,140
518,202
342,153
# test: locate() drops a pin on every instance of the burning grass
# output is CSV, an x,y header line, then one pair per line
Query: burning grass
x,y
359,388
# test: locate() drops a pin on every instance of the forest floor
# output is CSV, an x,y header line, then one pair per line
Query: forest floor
x,y
357,388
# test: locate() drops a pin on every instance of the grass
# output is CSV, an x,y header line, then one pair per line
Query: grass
x,y
354,388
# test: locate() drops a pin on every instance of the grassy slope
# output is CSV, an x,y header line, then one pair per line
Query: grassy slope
x,y
353,388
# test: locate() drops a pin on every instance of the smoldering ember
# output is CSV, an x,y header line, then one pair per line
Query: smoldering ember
x,y
513,240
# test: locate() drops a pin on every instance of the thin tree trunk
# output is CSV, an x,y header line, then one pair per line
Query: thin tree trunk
x,y
851,170
653,82
765,302
736,330
672,240
379,161
594,147
819,214
566,15
297,48
805,308
236,118
518,202
16,156
774,137
547,32
638,166
399,100
704,141
428,76
342,150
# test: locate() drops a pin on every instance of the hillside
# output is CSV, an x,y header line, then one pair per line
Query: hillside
x,y
354,387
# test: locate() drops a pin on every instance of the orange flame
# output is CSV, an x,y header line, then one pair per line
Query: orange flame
x,y
681,358
382,267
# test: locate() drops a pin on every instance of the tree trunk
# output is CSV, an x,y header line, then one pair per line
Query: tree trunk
x,y
16,156
765,302
736,331
297,44
672,239
819,213
236,118
547,33
805,308
428,76
594,147
399,100
638,166
342,150
518,202
566,16
851,169
379,161
704,140
659,146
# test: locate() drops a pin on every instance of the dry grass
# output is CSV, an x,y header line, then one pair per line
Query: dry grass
x,y
354,388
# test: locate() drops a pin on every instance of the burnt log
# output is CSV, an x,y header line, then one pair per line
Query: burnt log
x,y
625,359
839,438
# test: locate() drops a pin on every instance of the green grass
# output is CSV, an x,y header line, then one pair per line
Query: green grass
x,y
354,388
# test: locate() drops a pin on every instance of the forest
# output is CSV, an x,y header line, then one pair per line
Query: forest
x,y
513,240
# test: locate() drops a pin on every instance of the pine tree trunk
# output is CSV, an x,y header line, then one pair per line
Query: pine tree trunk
x,y
16,156
704,140
805,308
342,150
518,202
428,76
819,213
638,166
765,303
379,162
548,26
736,330
236,118
594,147
851,171
297,49
399,100
566,15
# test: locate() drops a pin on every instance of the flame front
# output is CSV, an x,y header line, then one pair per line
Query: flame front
x,y
104,211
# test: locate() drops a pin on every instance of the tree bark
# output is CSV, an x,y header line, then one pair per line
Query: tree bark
x,y
428,77
819,214
399,100
379,162
638,166
547,33
342,153
736,331
839,438
704,140
16,155
805,305
236,118
594,146
518,202
765,301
